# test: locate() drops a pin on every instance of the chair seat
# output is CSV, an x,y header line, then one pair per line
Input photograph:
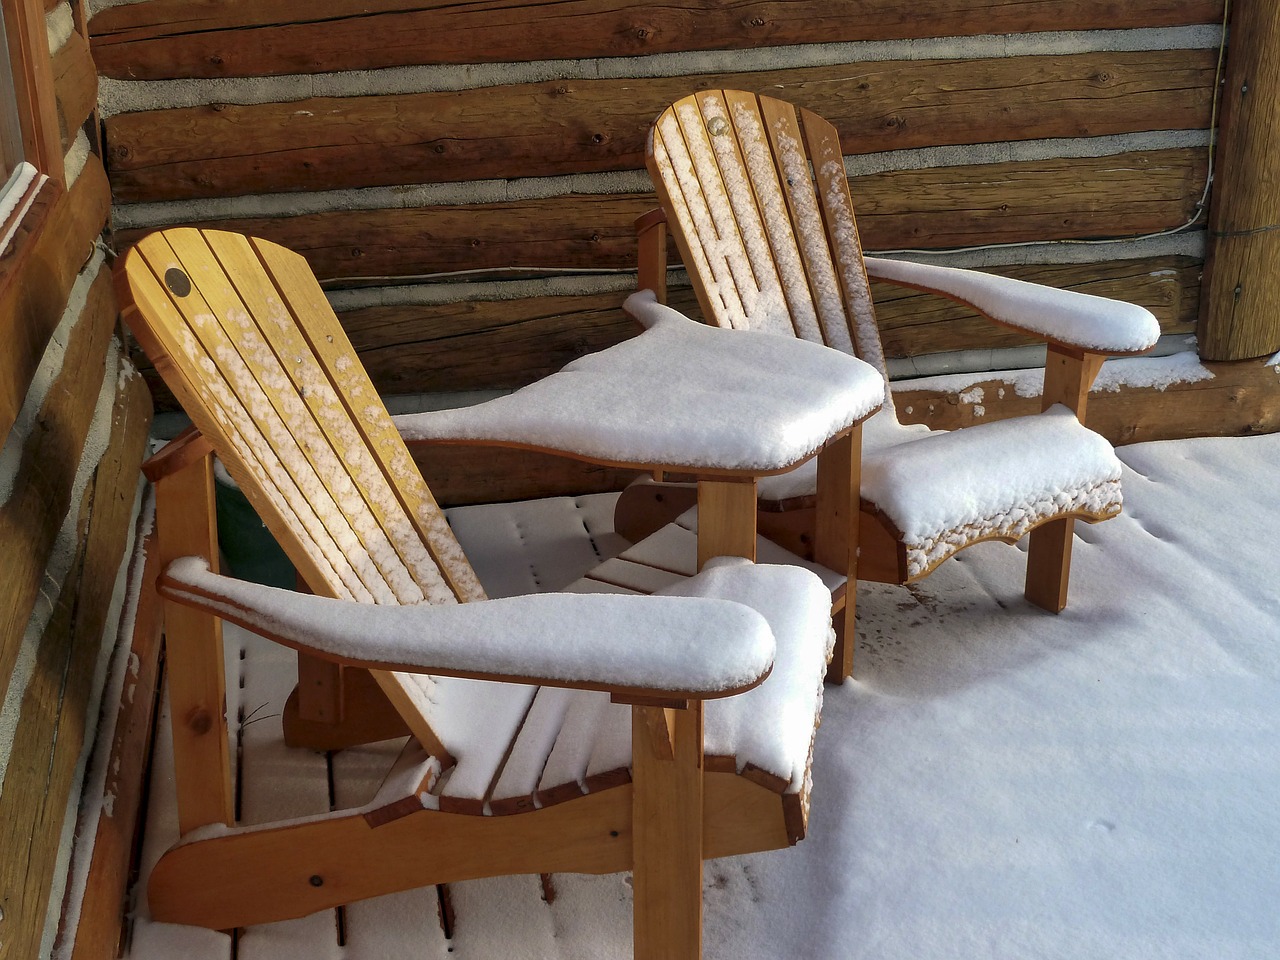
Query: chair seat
x,y
572,742
995,481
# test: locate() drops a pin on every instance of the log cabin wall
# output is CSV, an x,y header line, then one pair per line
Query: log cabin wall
x,y
463,177
73,422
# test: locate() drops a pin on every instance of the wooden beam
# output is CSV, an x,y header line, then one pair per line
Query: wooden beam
x,y
31,308
1241,311
33,93
914,323
938,207
187,38
52,725
75,82
504,344
1242,399
42,488
461,475
579,126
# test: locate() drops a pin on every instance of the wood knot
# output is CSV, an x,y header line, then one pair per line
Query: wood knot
x,y
199,721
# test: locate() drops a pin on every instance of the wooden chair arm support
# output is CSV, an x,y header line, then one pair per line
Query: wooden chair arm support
x,y
1063,318
180,452
651,235
638,649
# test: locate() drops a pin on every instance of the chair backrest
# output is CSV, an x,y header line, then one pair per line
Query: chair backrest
x,y
244,337
757,199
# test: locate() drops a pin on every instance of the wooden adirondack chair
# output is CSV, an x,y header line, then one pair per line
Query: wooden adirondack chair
x,y
756,196
549,733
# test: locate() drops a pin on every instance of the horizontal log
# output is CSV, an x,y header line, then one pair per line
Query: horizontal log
x,y
196,38
1122,195
1242,399
473,345
1093,197
53,723
75,83
460,475
589,231
913,323
576,126
31,518
31,307
505,344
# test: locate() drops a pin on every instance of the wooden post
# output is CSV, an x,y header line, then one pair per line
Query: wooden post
x,y
726,519
186,526
1240,308
835,537
667,831
1068,375
651,232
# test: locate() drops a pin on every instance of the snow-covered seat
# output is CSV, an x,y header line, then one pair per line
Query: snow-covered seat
x,y
755,193
399,637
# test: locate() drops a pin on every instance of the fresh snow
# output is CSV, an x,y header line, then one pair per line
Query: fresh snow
x,y
997,782
689,643
1064,316
775,401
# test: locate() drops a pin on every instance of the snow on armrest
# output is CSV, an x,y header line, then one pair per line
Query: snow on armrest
x,y
632,646
681,394
1075,319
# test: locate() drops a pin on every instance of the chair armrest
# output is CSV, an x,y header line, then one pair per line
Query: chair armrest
x,y
1075,320
634,647
681,395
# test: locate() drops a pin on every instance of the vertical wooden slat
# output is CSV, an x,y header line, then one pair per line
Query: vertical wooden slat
x,y
282,506
689,190
753,143
795,180
224,329
325,336
186,525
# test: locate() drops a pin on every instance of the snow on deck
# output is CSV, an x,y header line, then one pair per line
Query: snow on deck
x,y
998,783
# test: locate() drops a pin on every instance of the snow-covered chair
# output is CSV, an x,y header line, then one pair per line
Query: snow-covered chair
x,y
549,733
756,195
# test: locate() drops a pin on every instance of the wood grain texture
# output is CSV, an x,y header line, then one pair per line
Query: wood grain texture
x,y
460,475
912,323
52,725
578,126
505,344
1242,399
98,933
32,306
938,207
1241,310
197,38
75,84
42,488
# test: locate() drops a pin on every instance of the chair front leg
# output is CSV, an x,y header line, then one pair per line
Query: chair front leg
x,y
1068,375
186,525
667,768
835,533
